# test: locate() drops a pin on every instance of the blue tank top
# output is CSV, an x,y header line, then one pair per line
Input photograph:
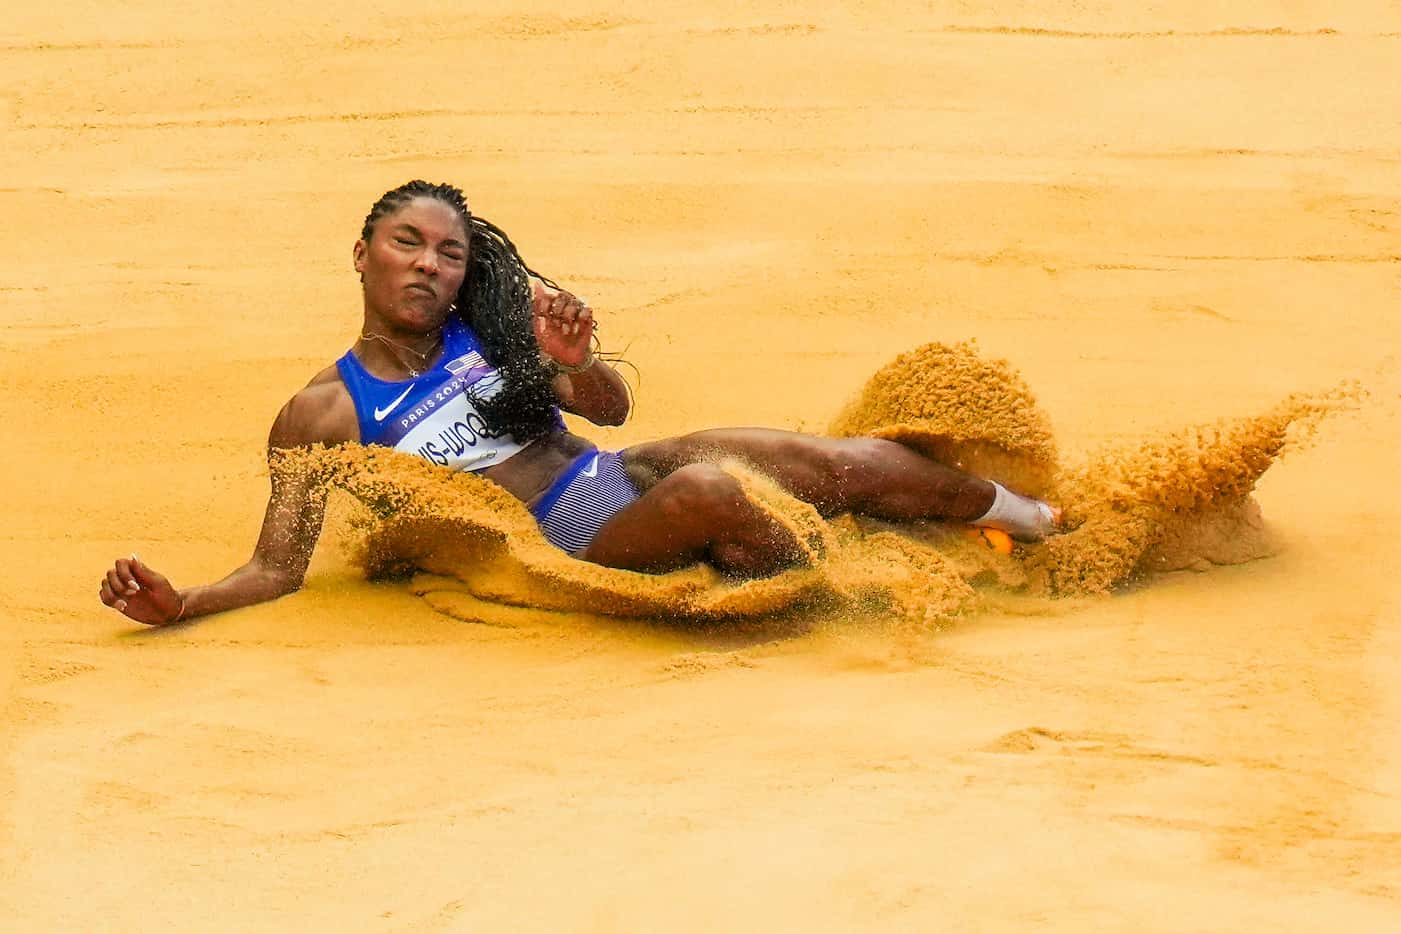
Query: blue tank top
x,y
430,416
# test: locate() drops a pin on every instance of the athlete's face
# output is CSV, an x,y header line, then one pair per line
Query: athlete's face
x,y
413,265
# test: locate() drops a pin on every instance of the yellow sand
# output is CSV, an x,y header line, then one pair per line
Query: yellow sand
x,y
1167,221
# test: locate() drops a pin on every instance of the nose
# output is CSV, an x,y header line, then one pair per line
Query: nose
x,y
427,263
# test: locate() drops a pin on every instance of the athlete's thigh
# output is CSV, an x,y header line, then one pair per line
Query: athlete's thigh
x,y
805,465
697,513
669,526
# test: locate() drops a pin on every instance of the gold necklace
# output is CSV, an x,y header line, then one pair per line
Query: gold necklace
x,y
414,371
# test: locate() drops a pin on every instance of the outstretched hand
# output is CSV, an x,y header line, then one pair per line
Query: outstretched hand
x,y
563,324
140,593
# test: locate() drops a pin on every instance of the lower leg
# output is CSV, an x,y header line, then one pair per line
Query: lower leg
x,y
864,475
869,476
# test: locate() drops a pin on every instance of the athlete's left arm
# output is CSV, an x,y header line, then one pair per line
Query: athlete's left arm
x,y
588,387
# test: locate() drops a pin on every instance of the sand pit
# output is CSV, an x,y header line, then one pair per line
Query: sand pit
x,y
1178,227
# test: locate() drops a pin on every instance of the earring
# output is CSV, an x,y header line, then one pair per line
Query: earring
x,y
452,309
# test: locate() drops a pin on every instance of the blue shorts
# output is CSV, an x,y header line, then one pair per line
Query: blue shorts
x,y
589,492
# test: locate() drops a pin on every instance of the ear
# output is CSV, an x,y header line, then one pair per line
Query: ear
x,y
358,254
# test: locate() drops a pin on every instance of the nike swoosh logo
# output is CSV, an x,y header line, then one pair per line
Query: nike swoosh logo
x,y
591,471
380,413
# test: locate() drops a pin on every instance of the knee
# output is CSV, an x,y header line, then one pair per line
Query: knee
x,y
702,490
740,540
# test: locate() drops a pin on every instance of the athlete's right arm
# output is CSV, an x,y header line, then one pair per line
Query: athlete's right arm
x,y
291,526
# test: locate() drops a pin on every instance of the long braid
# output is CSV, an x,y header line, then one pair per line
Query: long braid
x,y
495,302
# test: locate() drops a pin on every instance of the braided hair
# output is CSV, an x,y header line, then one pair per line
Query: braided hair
x,y
495,302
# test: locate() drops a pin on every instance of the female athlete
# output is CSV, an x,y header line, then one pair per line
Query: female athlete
x,y
466,357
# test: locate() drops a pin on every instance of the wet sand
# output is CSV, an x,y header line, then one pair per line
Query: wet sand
x,y
1159,219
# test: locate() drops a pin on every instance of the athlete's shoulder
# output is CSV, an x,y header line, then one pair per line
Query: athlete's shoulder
x,y
322,412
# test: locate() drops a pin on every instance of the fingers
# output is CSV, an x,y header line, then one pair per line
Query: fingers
x,y
570,313
123,581
121,584
116,599
564,310
541,297
145,577
111,599
559,306
580,317
124,572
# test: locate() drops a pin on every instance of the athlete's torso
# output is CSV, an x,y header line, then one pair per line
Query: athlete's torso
x,y
432,416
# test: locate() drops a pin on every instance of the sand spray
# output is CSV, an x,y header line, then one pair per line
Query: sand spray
x,y
1179,500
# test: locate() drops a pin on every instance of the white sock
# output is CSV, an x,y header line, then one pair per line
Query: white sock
x,y
1019,516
